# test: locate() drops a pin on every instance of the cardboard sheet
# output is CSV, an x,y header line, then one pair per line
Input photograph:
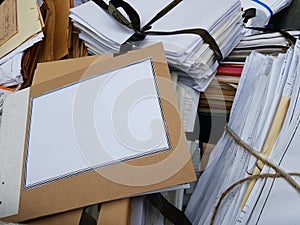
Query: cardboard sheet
x,y
61,35
115,212
118,181
68,218
57,30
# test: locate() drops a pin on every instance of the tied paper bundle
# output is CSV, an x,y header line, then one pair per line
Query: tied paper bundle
x,y
262,140
195,34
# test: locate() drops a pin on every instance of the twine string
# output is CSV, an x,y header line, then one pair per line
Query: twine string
x,y
280,173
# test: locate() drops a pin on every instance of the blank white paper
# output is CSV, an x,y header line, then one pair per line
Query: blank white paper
x,y
102,120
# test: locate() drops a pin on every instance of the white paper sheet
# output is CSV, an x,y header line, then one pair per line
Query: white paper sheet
x,y
99,121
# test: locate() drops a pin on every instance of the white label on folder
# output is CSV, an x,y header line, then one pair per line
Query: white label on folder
x,y
96,122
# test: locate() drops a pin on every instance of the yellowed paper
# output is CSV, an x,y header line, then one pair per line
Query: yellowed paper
x,y
29,24
270,141
8,20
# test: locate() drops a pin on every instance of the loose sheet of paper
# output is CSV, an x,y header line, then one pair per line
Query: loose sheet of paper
x,y
102,120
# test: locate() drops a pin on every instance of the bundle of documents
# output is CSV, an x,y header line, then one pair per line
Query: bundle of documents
x,y
264,118
186,52
20,28
216,102
265,9
270,43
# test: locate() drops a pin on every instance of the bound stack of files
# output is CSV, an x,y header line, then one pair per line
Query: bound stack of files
x,y
271,43
265,9
265,116
20,28
187,53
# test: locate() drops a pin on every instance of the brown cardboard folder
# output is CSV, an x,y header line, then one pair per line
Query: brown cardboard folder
x,y
69,218
136,176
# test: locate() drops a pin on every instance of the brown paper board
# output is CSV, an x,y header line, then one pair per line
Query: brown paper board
x,y
61,35
45,71
67,218
57,30
115,212
118,181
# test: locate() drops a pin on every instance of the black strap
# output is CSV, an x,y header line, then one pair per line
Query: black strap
x,y
140,33
176,216
248,14
102,4
161,13
132,14
251,12
204,34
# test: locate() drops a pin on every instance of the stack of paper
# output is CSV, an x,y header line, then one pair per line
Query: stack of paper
x,y
265,9
216,101
21,27
219,95
271,43
256,117
271,196
187,53
188,100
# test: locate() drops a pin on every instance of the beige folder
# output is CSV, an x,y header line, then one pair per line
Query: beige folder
x,y
136,176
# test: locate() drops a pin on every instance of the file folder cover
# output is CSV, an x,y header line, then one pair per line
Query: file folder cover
x,y
142,174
